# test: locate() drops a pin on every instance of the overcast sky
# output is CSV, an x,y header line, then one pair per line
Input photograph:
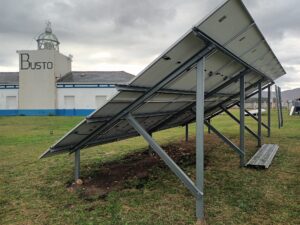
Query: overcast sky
x,y
129,34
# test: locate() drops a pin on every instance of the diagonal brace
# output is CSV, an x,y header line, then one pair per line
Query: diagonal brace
x,y
225,139
255,118
165,157
237,120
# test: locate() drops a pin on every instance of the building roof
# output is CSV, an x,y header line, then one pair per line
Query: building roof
x,y
99,77
9,77
78,77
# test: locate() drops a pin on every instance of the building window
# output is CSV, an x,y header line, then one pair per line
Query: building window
x,y
11,102
69,102
99,100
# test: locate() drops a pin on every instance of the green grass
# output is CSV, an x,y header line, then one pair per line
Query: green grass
x,y
34,191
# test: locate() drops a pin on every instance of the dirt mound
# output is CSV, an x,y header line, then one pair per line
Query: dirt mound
x,y
115,175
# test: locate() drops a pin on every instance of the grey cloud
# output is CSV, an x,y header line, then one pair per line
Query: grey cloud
x,y
276,18
130,31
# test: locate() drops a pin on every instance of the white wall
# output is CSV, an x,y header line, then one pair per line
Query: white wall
x,y
3,97
37,83
85,98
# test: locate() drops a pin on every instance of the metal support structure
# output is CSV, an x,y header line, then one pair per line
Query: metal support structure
x,y
255,118
187,132
77,165
242,120
237,102
208,128
280,105
224,50
238,121
165,157
137,103
150,150
259,116
225,139
269,111
200,137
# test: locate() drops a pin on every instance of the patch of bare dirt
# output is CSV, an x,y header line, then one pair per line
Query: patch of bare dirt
x,y
115,175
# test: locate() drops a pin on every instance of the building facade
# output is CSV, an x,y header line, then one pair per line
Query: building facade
x,y
46,84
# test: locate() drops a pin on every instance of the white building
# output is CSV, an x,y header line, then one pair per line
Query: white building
x,y
46,84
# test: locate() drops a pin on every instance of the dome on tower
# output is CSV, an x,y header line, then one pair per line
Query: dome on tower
x,y
48,40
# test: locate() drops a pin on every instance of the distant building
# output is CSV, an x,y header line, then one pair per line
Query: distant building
x,y
46,84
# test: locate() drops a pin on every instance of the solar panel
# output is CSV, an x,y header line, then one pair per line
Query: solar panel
x,y
163,95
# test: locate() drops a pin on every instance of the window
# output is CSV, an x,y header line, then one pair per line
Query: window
x,y
11,102
100,99
69,102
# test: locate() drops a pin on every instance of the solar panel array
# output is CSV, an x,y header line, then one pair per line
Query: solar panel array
x,y
164,94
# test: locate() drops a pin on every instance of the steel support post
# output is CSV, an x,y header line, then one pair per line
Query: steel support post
x,y
165,157
269,111
280,105
77,165
150,150
259,116
277,106
208,128
200,137
186,132
242,120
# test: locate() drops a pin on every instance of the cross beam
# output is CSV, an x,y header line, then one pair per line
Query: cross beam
x,y
238,121
255,118
165,157
225,139
137,103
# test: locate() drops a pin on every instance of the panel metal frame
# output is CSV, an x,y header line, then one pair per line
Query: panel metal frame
x,y
173,75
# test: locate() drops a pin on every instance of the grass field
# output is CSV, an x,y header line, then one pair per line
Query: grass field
x,y
35,191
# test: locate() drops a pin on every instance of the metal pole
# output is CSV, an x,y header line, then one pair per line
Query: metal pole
x,y
200,138
209,130
259,116
269,111
150,150
242,120
77,165
277,106
165,157
186,132
280,104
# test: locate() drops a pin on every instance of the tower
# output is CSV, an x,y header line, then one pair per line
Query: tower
x,y
38,72
48,40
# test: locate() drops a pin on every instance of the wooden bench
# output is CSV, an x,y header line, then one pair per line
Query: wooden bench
x,y
263,157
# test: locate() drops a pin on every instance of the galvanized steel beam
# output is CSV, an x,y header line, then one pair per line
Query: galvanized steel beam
x,y
131,88
255,118
187,132
202,35
269,111
242,121
239,122
77,165
200,137
134,105
225,139
259,116
165,157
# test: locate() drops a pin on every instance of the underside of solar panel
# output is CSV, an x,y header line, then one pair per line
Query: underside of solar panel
x,y
163,95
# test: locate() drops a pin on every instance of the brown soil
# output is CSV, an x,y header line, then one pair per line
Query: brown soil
x,y
113,176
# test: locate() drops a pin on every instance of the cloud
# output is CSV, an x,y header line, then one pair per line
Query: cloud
x,y
128,35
